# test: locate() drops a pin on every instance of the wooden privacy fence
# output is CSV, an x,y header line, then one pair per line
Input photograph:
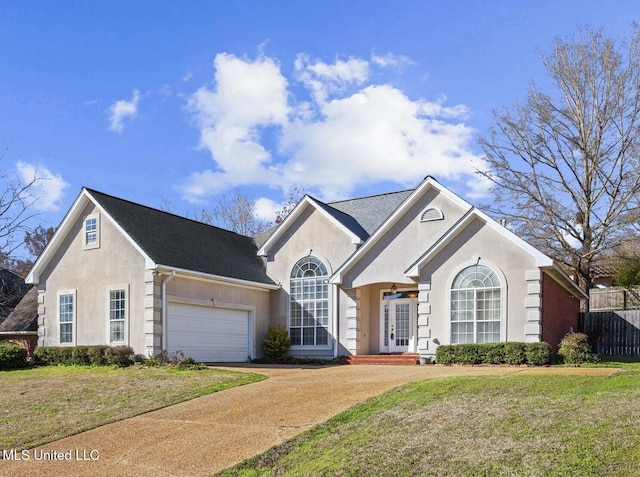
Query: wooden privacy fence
x,y
614,298
612,333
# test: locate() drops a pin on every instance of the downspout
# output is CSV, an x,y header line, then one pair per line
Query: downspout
x,y
163,342
336,331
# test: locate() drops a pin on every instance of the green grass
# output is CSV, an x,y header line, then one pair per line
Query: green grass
x,y
477,426
40,405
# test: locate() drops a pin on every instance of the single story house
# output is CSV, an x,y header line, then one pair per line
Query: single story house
x,y
393,273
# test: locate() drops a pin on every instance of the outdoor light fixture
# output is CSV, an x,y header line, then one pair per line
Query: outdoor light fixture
x,y
394,289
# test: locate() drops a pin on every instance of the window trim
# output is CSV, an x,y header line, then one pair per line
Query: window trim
x,y
296,268
503,299
74,314
85,233
431,214
125,320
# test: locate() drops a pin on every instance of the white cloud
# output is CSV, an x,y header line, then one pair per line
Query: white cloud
x,y
266,209
351,133
47,189
123,109
323,79
248,96
389,60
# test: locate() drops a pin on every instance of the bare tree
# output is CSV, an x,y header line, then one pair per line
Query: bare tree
x,y
16,210
295,195
35,242
565,166
238,213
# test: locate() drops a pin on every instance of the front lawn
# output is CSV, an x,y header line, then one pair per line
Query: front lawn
x,y
40,405
476,426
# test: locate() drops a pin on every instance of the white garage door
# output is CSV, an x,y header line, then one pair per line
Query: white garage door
x,y
208,334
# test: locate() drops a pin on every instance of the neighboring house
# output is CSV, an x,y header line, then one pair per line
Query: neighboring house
x,y
12,289
21,326
394,273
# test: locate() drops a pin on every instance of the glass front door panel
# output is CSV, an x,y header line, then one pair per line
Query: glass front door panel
x,y
403,324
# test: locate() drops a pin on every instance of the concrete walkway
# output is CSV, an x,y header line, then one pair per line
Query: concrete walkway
x,y
208,434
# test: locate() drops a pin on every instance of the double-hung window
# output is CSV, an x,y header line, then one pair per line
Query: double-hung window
x,y
92,231
117,315
66,317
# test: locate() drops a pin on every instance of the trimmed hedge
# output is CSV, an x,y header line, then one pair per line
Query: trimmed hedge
x,y
12,356
534,354
99,355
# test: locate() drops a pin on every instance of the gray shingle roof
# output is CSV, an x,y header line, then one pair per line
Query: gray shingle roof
x,y
179,242
24,316
371,212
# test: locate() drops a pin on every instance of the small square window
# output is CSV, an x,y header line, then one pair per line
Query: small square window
x,y
92,231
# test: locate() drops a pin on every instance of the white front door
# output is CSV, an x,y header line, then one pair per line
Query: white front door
x,y
398,325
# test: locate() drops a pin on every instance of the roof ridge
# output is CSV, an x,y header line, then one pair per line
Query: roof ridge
x,y
370,196
155,209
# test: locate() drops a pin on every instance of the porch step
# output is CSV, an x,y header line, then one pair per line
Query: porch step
x,y
406,359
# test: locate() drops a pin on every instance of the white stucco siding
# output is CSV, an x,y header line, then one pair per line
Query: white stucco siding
x,y
91,274
312,233
387,260
478,243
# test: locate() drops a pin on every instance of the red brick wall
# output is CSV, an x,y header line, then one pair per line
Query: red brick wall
x,y
560,311
29,342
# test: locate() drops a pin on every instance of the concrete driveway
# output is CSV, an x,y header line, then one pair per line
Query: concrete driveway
x,y
207,434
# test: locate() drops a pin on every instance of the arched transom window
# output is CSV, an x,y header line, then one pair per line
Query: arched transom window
x,y
475,306
309,303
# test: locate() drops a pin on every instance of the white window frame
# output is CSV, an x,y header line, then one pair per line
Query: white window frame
x,y
315,301
124,320
501,308
73,322
86,234
430,214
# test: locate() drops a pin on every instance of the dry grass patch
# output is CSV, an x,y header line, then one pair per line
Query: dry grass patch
x,y
44,404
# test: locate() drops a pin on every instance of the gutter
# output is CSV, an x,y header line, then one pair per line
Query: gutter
x,y
167,279
336,308
217,278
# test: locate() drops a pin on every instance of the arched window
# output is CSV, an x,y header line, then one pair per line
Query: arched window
x,y
475,306
309,303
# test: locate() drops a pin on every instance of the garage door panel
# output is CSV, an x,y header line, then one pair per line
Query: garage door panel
x,y
208,333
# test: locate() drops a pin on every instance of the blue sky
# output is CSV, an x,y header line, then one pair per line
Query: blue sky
x,y
179,102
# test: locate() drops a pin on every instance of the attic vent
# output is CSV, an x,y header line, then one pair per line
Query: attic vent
x,y
432,213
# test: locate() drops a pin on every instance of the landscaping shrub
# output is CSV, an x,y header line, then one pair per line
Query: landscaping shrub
x,y
176,359
445,354
99,355
575,349
493,353
12,356
119,355
53,355
535,354
80,355
514,353
468,354
538,354
276,342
